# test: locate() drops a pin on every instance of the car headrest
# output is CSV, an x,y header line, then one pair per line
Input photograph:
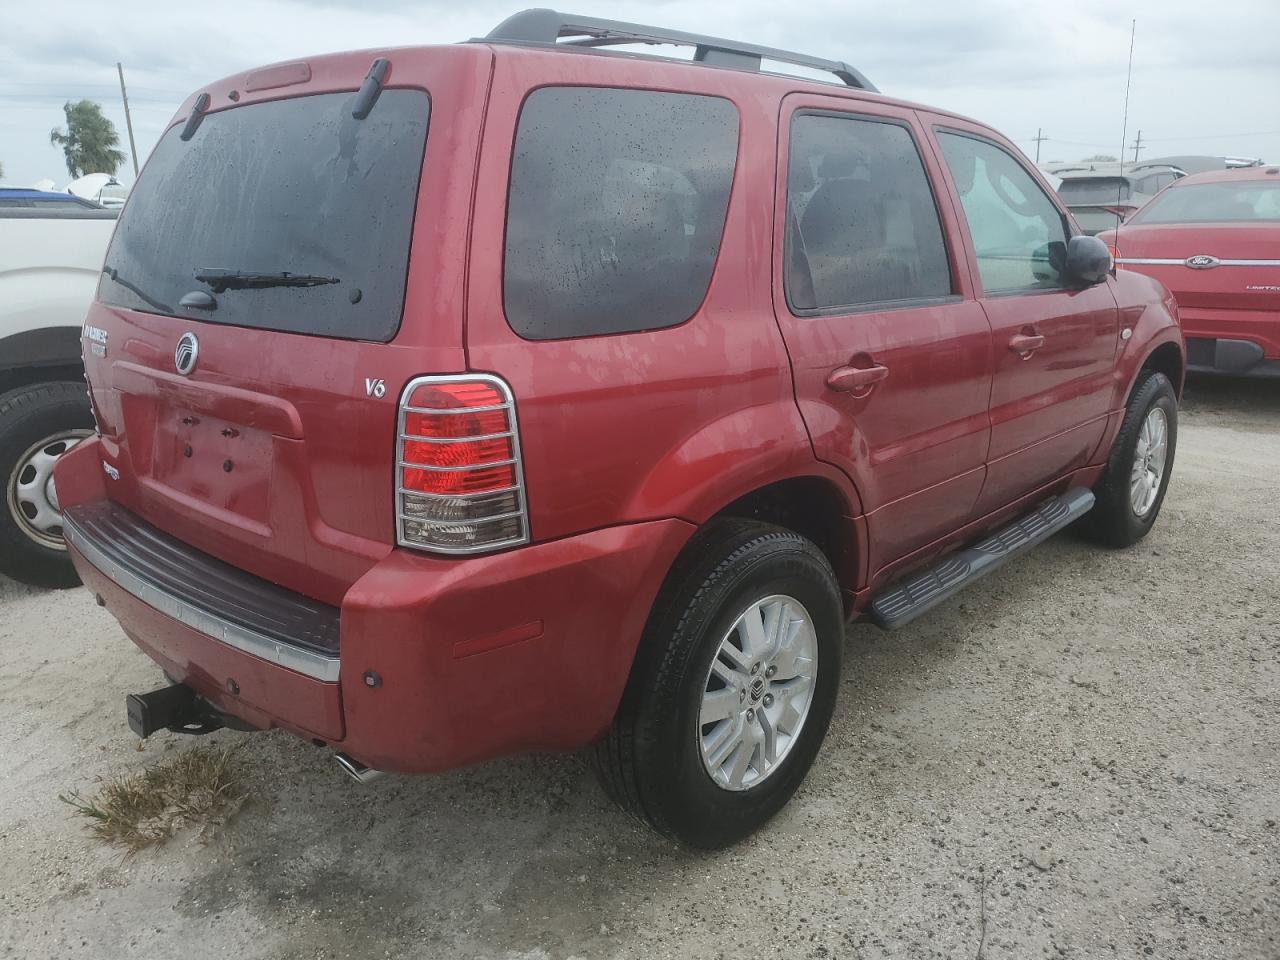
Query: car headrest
x,y
841,219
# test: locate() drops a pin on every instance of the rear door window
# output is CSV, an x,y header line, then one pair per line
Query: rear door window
x,y
862,225
296,186
616,209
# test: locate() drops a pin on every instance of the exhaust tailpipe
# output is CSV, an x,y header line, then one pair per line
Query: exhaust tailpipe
x,y
356,770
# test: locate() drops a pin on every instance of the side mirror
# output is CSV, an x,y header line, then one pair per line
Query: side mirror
x,y
1088,260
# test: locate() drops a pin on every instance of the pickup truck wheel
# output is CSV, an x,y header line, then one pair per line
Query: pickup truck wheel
x,y
733,687
1132,489
38,424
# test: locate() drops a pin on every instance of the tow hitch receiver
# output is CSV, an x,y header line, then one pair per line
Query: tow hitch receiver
x,y
175,707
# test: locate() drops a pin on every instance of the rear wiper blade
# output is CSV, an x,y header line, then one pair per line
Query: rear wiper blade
x,y
141,294
220,280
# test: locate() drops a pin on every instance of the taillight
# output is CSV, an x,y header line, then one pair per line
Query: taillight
x,y
458,478
1115,254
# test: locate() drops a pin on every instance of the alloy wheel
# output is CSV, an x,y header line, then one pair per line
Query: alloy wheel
x,y
1149,460
758,692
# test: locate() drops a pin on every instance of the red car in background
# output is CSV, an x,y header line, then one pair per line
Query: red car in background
x,y
1214,240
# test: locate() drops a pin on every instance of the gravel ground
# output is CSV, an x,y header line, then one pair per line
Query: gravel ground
x,y
1078,757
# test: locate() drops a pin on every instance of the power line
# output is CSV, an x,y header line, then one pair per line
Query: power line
x,y
1218,136
1189,138
41,99
110,87
1039,139
1070,143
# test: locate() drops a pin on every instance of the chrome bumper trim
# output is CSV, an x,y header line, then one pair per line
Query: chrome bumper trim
x,y
307,662
1180,262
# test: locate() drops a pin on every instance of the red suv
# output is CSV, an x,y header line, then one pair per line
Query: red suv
x,y
524,394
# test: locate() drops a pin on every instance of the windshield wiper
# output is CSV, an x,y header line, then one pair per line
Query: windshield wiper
x,y
220,280
141,294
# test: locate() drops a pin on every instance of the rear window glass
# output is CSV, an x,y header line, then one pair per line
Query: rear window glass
x,y
1095,190
616,210
1155,182
1241,201
295,186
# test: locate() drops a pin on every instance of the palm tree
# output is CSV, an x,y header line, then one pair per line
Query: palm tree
x,y
89,141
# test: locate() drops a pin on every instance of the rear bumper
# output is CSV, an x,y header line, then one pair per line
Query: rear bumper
x,y
255,690
1237,340
484,656
443,662
1230,356
214,598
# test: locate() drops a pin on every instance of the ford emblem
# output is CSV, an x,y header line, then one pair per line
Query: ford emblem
x,y
1202,261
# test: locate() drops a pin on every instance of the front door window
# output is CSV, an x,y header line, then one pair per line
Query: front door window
x,y
1018,234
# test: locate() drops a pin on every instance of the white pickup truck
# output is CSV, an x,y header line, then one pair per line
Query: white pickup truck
x,y
51,253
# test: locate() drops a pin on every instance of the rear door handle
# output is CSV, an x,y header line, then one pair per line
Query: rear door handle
x,y
852,379
1026,343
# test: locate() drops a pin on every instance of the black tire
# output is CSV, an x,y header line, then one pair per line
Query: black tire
x,y
28,416
1113,521
650,762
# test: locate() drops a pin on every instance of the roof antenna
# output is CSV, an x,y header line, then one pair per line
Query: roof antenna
x,y
1124,133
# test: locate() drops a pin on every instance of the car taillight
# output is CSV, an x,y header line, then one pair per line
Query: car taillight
x,y
459,483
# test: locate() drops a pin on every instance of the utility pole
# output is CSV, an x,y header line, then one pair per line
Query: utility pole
x,y
1038,138
128,120
1137,145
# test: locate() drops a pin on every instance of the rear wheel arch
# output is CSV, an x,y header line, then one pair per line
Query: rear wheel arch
x,y
728,458
815,508
643,761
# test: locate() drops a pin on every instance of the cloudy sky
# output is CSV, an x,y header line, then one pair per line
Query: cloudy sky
x,y
1206,77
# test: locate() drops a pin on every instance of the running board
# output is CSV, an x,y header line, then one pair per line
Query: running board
x,y
904,601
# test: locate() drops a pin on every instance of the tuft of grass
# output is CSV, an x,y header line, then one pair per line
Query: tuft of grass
x,y
200,786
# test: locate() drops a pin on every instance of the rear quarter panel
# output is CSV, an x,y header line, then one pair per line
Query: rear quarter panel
x,y
676,422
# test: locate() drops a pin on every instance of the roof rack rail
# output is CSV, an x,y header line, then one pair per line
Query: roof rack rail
x,y
543,26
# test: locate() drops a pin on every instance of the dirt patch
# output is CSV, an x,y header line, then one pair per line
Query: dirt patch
x,y
1084,748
